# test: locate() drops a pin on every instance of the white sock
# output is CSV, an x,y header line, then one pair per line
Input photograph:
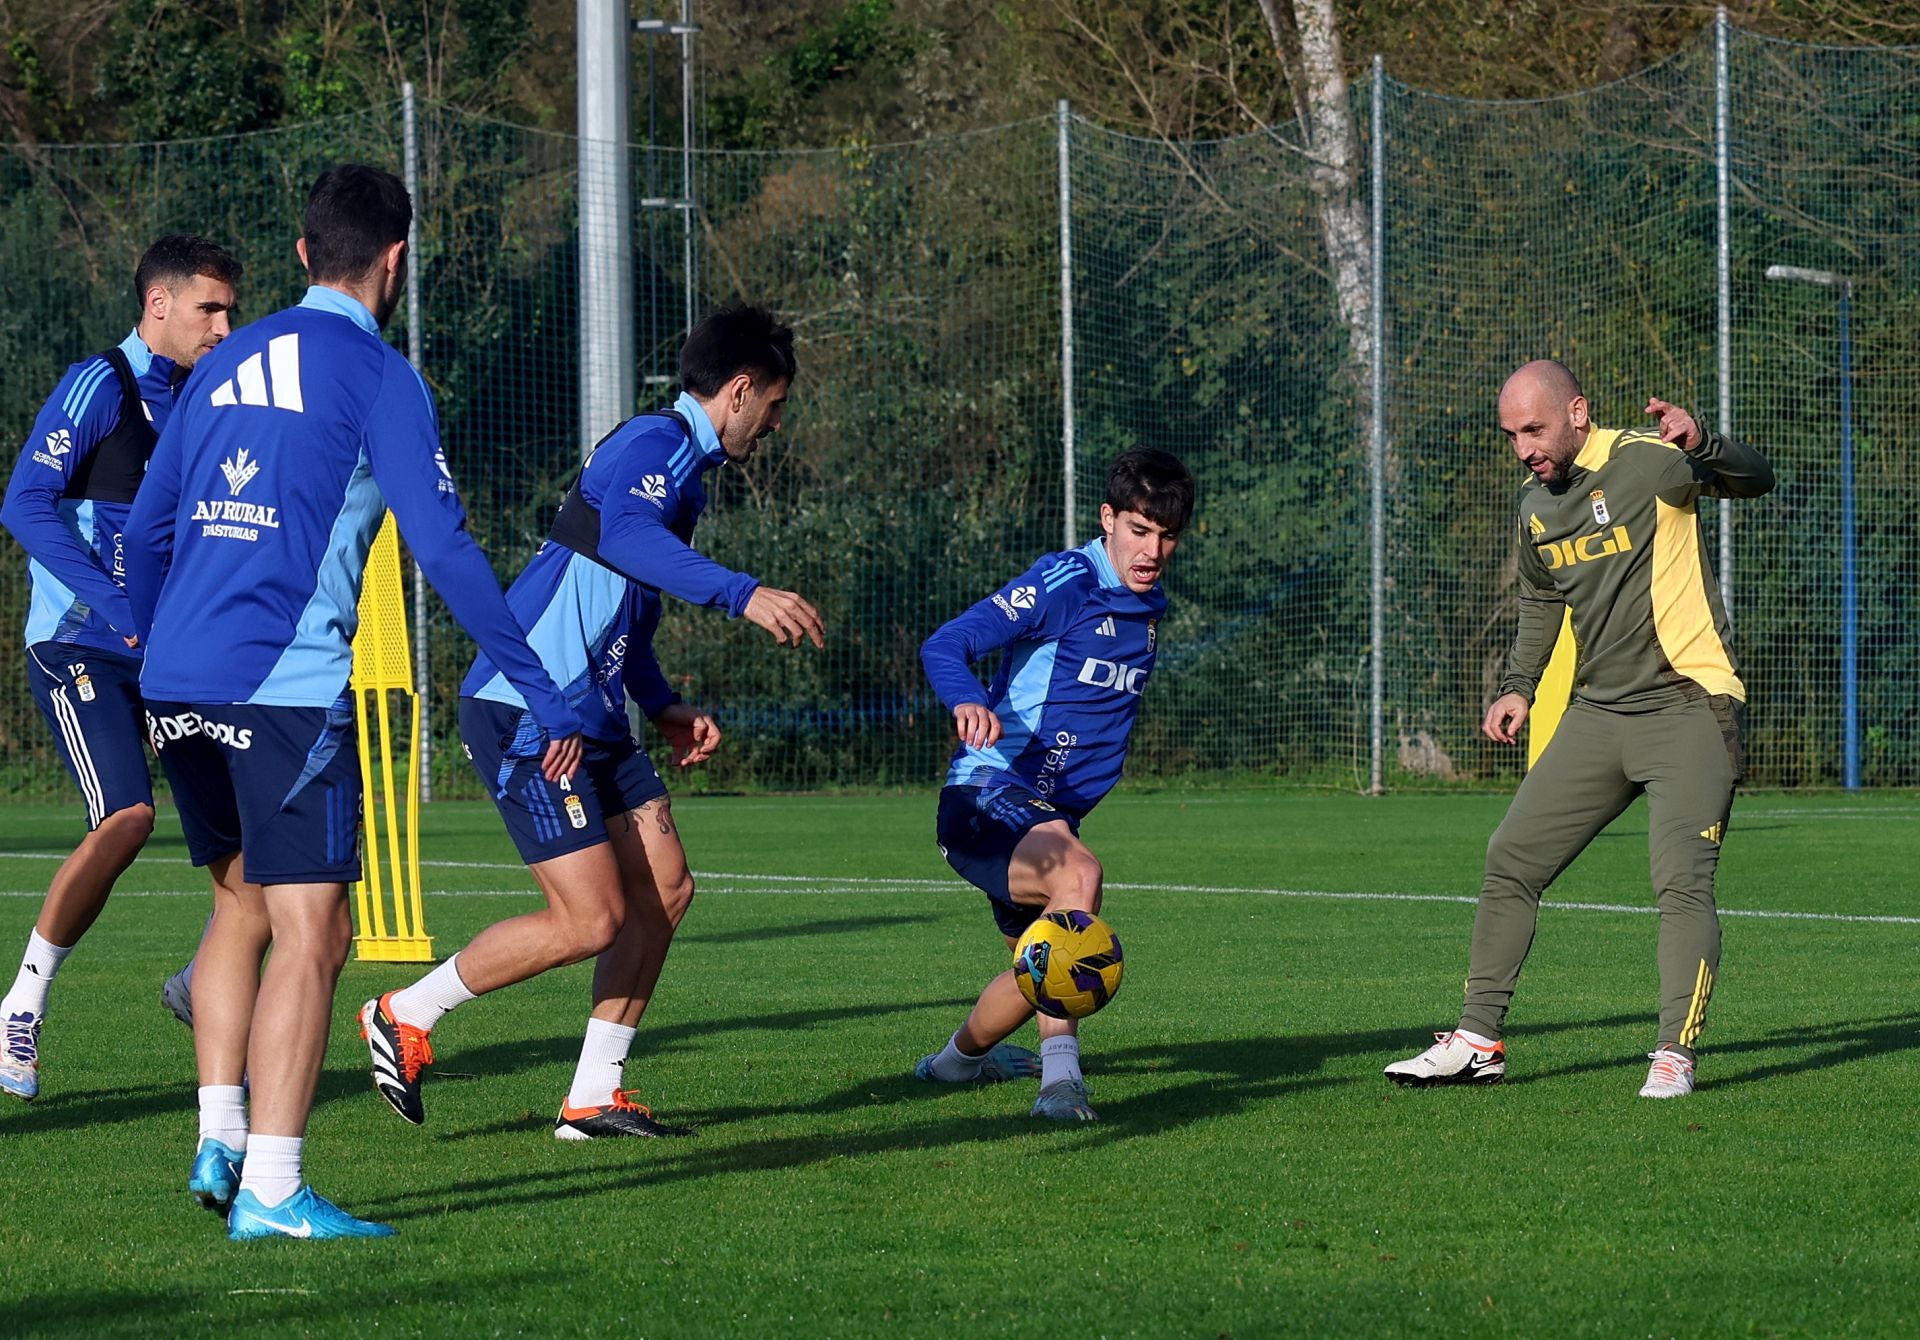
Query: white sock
x,y
601,1056
422,1004
272,1171
223,1115
1474,1038
954,1065
1059,1060
37,967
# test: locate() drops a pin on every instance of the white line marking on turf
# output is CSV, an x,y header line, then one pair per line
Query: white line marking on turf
x,y
232,1292
728,882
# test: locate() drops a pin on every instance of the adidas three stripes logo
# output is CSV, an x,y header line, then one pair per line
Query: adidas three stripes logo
x,y
272,380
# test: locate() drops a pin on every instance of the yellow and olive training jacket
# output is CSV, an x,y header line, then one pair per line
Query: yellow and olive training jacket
x,y
1619,541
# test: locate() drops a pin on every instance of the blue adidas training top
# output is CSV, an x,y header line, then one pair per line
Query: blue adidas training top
x,y
248,540
593,627
1080,647
74,548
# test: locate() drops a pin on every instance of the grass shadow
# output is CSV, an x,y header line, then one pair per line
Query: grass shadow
x,y
825,926
1832,1044
1217,1078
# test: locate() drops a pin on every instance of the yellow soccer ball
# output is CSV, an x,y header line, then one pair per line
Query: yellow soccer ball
x,y
1068,964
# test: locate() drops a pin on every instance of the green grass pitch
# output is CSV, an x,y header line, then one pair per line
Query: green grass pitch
x,y
1253,1174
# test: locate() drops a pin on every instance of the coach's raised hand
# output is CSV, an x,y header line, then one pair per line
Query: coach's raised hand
x,y
789,618
1676,424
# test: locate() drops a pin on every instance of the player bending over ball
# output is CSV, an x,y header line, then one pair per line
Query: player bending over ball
x,y
603,848
1608,527
1040,749
67,505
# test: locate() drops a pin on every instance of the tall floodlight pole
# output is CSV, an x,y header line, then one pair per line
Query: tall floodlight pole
x,y
606,220
1849,594
1064,116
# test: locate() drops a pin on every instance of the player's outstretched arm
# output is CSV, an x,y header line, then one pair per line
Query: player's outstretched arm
x,y
57,447
638,497
1733,469
403,447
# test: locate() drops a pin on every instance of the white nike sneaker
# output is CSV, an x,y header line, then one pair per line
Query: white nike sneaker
x,y
1670,1075
1452,1060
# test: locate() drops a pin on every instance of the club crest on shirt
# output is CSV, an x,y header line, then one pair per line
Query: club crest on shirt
x,y
1153,632
1600,514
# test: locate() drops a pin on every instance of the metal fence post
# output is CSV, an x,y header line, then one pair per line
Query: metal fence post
x,y
1724,255
1377,445
411,130
1063,115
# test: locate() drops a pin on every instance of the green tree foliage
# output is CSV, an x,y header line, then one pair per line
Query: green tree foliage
x,y
179,70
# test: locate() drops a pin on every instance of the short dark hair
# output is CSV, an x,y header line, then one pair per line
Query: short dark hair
x,y
354,213
1152,483
176,259
732,341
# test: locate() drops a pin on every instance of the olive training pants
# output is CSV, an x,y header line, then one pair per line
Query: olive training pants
x,y
1686,759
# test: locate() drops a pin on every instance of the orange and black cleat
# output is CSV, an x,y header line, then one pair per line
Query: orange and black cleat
x,y
400,1053
621,1117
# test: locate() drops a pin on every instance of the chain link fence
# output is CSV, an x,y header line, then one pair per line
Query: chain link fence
x,y
923,459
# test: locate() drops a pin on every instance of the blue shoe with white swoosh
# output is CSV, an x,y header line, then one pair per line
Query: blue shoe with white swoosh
x,y
216,1175
304,1214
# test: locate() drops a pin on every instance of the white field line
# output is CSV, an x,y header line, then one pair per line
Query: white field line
x,y
725,882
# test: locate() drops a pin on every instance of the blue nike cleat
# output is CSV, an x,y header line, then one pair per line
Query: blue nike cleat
x,y
20,1055
1066,1100
215,1178
304,1214
1003,1062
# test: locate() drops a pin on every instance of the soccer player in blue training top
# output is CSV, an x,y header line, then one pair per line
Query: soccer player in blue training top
x,y
606,854
1039,749
67,505
245,552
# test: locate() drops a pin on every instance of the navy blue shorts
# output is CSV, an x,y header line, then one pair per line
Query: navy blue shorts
x,y
548,819
91,699
978,828
280,784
